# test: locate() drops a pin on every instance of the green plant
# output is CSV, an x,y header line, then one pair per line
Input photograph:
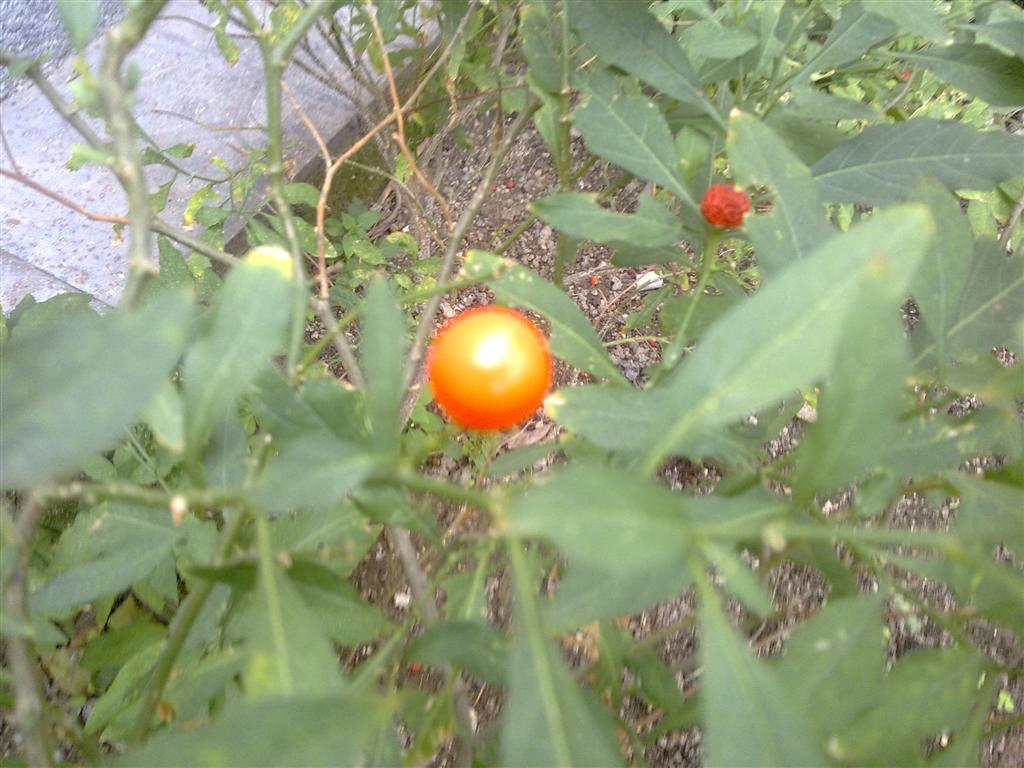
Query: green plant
x,y
193,482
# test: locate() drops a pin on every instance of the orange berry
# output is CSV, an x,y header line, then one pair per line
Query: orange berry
x,y
489,368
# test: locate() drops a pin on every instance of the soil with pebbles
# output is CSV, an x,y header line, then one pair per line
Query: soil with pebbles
x,y
607,295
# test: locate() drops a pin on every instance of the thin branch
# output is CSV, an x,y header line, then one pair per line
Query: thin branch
x,y
180,627
214,127
275,59
420,586
182,237
393,116
399,135
121,40
899,96
34,185
339,341
21,654
65,110
321,258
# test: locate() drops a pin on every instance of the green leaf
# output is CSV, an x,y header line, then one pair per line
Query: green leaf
x,y
809,140
579,215
286,733
834,663
382,349
603,518
738,579
519,459
706,312
289,654
479,647
981,71
194,687
631,39
815,104
62,308
322,405
708,40
174,271
112,649
313,473
919,19
71,387
548,119
166,417
103,553
588,593
573,338
80,18
881,165
540,47
990,513
864,394
938,285
344,615
855,34
783,338
749,716
123,692
225,43
84,154
989,311
1007,34
927,691
300,193
198,199
992,589
337,535
224,458
247,329
629,131
548,719
796,225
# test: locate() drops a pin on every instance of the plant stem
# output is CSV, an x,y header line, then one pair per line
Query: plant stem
x,y
674,350
185,617
423,594
561,258
21,654
532,630
150,497
275,59
565,159
128,164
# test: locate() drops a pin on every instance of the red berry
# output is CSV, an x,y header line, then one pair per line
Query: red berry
x,y
906,74
594,279
510,184
415,667
725,205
